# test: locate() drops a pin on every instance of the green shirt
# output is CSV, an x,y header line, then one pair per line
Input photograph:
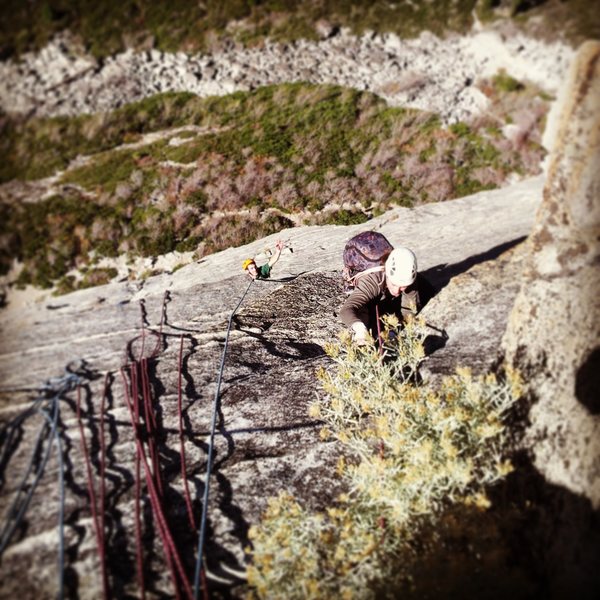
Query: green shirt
x,y
263,272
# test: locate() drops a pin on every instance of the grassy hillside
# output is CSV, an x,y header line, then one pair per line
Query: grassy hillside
x,y
108,27
224,171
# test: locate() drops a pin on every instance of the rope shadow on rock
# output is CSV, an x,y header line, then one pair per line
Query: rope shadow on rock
x,y
120,566
72,447
275,429
304,350
216,554
119,560
283,279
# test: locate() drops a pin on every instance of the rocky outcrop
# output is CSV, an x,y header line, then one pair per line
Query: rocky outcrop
x,y
428,73
554,329
553,337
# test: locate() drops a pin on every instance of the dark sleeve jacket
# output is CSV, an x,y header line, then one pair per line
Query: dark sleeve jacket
x,y
371,290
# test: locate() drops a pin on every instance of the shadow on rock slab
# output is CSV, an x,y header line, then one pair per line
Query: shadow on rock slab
x,y
439,276
537,540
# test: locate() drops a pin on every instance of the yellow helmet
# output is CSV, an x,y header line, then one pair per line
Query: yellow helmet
x,y
247,263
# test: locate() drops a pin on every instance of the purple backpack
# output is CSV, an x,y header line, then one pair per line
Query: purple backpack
x,y
366,251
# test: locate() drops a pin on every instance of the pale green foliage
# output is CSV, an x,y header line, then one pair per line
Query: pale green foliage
x,y
412,451
299,555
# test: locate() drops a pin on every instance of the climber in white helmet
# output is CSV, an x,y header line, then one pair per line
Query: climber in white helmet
x,y
393,288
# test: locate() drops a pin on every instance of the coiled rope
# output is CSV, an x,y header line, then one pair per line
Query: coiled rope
x,y
139,401
202,535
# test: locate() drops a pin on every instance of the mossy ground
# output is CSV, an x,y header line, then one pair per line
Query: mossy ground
x,y
108,27
243,166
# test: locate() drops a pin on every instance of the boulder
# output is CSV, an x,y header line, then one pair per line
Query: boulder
x,y
553,335
553,338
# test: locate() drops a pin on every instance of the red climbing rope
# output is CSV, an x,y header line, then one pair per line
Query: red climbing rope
x,y
157,510
138,397
92,495
151,426
138,480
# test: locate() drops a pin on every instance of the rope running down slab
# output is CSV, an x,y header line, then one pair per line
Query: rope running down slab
x,y
202,536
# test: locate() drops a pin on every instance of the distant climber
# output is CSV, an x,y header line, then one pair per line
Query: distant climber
x,y
392,287
264,271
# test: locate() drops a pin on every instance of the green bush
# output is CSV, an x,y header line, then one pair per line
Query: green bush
x,y
411,451
106,28
343,217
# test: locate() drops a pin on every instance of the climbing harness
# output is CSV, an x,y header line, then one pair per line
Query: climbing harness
x,y
202,536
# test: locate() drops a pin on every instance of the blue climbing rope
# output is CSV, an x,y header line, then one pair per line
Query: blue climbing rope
x,y
48,406
61,500
202,536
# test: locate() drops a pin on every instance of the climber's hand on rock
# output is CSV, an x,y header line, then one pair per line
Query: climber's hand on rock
x,y
360,333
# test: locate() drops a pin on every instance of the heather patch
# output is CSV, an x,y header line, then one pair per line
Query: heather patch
x,y
179,172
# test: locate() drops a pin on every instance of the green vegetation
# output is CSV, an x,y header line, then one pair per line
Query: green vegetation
x,y
343,217
411,452
91,278
179,25
105,172
49,236
108,27
35,148
506,83
579,19
275,151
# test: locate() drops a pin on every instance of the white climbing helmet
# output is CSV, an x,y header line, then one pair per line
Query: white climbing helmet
x,y
401,267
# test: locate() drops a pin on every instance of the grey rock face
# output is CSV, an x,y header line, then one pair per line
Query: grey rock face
x,y
554,328
470,310
265,441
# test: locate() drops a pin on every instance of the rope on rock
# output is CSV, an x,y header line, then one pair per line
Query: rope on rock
x,y
138,399
48,406
96,507
61,504
171,553
145,426
202,535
